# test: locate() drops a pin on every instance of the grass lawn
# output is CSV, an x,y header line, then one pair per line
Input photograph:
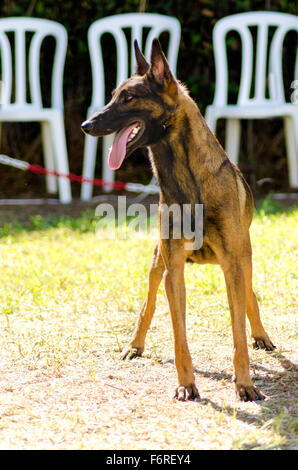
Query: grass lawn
x,y
70,299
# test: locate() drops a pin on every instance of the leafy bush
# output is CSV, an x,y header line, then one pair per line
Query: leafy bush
x,y
263,149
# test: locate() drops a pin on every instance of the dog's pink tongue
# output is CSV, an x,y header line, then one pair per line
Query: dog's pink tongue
x,y
118,149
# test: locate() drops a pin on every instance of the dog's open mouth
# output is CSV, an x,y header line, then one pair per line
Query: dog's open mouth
x,y
125,138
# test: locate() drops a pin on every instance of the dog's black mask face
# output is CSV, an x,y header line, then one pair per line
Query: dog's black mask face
x,y
139,108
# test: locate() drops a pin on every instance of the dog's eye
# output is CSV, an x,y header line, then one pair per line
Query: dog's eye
x,y
127,97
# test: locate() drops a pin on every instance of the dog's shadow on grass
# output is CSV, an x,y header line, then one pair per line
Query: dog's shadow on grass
x,y
278,396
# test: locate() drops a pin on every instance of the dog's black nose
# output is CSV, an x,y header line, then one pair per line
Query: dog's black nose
x,y
86,126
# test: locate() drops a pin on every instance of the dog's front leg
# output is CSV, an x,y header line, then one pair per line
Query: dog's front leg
x,y
174,258
136,345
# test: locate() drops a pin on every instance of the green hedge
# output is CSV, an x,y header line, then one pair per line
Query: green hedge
x,y
262,156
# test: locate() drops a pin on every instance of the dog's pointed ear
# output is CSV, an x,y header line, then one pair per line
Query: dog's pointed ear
x,y
142,64
159,65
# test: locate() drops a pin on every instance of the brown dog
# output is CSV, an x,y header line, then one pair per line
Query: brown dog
x,y
153,109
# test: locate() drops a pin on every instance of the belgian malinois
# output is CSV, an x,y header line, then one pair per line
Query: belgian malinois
x,y
152,109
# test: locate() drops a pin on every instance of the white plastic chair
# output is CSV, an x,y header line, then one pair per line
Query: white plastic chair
x,y
114,25
258,107
51,118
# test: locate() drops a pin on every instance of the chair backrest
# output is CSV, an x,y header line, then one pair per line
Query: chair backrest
x,y
16,62
241,23
136,22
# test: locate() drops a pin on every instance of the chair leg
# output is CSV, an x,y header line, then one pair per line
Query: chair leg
x,y
291,135
48,151
233,132
108,175
211,119
90,147
61,160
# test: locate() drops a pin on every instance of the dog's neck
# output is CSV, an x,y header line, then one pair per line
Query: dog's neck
x,y
185,155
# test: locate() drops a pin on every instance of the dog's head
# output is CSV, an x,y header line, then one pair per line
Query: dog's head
x,y
139,109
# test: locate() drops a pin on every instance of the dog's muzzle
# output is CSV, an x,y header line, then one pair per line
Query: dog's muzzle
x,y
86,126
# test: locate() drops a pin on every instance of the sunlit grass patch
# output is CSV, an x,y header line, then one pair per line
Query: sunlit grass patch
x,y
70,299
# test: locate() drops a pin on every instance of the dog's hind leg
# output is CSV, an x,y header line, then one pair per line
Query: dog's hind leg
x,y
235,282
259,335
136,345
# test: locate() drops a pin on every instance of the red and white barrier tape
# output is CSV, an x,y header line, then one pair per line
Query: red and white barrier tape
x,y
117,185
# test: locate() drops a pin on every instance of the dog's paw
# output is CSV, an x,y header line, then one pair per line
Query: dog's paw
x,y
263,343
189,392
248,393
131,352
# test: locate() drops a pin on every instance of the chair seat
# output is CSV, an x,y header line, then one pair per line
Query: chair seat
x,y
20,74
253,111
262,58
28,114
